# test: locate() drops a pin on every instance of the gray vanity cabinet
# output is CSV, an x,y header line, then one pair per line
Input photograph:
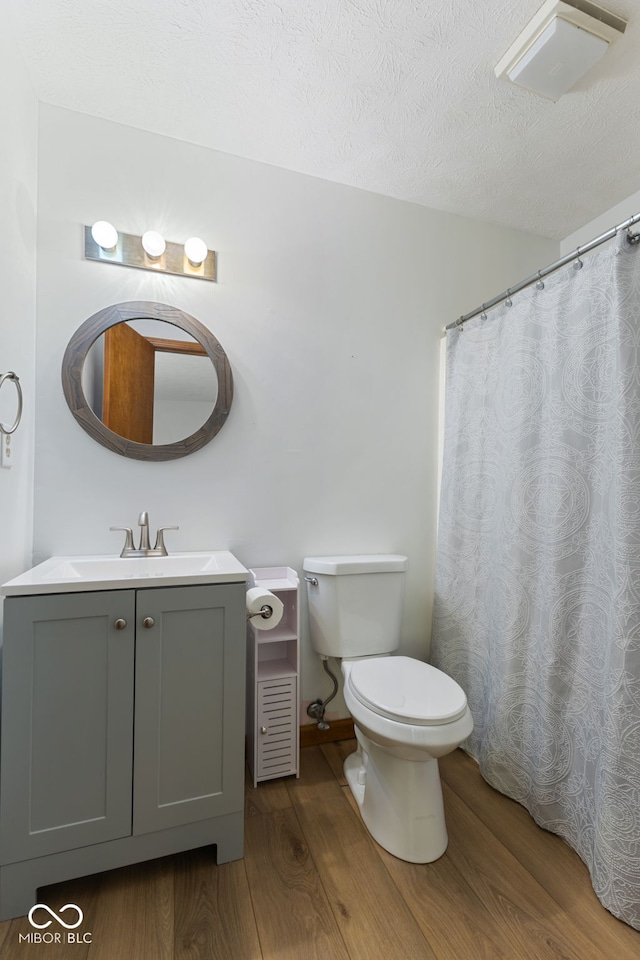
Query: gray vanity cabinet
x,y
122,731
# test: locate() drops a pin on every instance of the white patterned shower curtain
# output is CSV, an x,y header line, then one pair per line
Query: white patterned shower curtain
x,y
537,606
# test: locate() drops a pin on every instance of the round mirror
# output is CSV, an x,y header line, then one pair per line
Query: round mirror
x,y
147,380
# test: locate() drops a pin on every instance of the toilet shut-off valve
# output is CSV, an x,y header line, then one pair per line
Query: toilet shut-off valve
x,y
316,709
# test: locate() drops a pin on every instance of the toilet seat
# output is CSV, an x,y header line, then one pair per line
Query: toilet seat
x,y
406,690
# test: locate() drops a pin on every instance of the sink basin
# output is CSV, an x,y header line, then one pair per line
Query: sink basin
x,y
73,574
108,568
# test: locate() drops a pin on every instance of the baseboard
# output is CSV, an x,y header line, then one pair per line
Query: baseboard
x,y
310,734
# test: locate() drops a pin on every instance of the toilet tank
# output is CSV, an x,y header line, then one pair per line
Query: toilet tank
x,y
355,608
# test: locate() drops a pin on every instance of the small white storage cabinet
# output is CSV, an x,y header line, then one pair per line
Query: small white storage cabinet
x,y
273,667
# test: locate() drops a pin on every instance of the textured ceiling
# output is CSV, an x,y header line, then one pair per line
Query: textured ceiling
x,y
394,96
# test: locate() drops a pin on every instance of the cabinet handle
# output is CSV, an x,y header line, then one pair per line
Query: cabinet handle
x,y
263,730
148,622
120,624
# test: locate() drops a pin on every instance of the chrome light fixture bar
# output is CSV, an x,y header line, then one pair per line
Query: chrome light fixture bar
x,y
147,252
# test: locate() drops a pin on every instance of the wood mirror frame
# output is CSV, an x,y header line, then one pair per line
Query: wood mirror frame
x,y
76,354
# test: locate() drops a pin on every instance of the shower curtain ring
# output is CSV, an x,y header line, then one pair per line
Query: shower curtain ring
x,y
483,315
578,264
509,301
540,283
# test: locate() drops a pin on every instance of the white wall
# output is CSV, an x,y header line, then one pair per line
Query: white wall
x,y
618,214
330,304
18,156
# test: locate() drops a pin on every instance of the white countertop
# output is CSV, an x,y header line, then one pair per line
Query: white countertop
x,y
82,573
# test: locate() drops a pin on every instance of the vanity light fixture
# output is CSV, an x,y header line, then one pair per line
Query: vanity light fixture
x,y
149,252
104,234
195,251
154,244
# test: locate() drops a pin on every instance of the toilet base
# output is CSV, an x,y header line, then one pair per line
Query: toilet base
x,y
400,801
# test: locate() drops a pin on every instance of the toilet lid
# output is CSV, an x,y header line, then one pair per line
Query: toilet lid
x,y
407,690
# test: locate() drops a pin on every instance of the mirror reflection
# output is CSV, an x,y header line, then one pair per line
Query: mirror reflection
x,y
149,381
150,362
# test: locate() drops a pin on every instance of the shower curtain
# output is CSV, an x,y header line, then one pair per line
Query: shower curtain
x,y
537,605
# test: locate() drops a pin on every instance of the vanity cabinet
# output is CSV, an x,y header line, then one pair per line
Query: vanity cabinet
x,y
273,698
122,731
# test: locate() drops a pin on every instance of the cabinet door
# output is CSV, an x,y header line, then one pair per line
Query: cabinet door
x,y
67,709
277,740
189,712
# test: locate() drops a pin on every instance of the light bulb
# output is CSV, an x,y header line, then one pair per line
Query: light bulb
x,y
104,234
153,243
196,250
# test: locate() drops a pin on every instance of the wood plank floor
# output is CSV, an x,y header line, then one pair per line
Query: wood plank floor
x,y
313,884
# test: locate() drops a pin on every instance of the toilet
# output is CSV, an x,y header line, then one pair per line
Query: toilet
x,y
406,713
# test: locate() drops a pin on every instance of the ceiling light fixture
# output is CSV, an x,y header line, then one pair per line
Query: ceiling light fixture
x,y
560,44
150,252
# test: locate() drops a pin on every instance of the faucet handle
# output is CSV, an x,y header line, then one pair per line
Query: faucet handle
x,y
128,540
160,540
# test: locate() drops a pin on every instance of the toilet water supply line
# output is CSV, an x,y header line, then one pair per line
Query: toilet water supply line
x,y
317,708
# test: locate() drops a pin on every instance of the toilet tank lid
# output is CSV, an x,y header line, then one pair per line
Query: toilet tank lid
x,y
360,563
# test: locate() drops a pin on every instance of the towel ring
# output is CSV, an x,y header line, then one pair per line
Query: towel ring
x,y
16,379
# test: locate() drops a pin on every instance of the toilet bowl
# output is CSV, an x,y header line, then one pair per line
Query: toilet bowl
x,y
406,713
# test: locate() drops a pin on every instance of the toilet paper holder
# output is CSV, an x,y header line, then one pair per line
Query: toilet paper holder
x,y
264,608
265,611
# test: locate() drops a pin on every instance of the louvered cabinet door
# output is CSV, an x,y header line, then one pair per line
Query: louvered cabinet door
x,y
277,728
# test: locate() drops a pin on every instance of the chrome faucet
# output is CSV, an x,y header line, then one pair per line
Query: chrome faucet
x,y
144,549
143,523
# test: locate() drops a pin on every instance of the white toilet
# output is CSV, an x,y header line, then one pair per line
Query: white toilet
x,y
406,713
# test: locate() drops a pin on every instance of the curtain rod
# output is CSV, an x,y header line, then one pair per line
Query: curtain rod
x,y
537,277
